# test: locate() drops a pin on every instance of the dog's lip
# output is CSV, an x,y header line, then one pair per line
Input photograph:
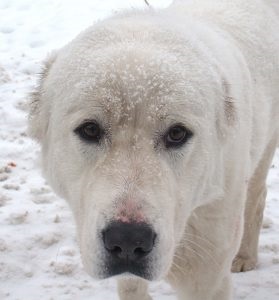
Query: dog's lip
x,y
128,268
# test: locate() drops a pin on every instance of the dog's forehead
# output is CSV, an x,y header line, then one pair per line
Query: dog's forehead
x,y
131,84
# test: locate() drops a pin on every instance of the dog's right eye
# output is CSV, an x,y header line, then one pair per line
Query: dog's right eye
x,y
90,132
177,136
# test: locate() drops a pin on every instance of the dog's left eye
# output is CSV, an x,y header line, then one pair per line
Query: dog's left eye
x,y
90,132
176,136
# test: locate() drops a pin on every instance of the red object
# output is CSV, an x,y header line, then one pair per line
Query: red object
x,y
12,164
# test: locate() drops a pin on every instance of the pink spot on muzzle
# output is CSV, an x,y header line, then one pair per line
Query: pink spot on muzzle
x,y
130,212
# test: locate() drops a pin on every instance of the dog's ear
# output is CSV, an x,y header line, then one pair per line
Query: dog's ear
x,y
38,112
227,120
229,105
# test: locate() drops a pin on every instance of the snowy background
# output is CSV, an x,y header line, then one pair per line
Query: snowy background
x,y
39,258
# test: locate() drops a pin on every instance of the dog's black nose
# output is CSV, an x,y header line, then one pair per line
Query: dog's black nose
x,y
128,242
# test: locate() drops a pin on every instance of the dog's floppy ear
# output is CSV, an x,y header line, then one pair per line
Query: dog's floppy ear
x,y
38,112
229,104
227,120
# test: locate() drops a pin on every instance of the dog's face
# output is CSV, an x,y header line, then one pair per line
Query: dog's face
x,y
131,139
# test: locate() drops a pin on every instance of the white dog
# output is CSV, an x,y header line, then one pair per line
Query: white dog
x,y
159,128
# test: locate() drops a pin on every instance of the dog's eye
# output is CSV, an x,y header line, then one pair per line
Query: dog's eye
x,y
90,132
176,136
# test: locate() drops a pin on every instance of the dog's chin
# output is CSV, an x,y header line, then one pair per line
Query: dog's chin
x,y
128,275
106,274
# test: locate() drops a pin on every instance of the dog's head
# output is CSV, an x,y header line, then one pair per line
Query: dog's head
x,y
131,128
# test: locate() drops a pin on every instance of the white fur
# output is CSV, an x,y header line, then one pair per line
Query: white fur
x,y
212,65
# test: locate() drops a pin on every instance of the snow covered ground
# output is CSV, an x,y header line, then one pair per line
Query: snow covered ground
x,y
39,258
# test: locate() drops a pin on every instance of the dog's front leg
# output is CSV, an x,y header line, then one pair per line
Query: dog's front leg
x,y
133,289
247,256
202,262
223,293
210,292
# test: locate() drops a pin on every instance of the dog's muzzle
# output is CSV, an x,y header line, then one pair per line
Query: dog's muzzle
x,y
128,248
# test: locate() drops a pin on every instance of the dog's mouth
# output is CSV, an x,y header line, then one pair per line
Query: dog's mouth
x,y
119,267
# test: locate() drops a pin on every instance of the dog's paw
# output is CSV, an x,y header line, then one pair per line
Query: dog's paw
x,y
243,264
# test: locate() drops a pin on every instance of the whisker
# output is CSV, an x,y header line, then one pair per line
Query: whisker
x,y
196,253
202,239
195,244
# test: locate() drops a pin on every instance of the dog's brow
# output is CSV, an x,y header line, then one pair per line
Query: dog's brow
x,y
94,108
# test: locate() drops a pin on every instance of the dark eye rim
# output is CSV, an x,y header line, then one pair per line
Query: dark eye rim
x,y
171,144
89,139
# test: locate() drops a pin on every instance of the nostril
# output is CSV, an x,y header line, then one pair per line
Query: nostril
x,y
116,250
140,252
